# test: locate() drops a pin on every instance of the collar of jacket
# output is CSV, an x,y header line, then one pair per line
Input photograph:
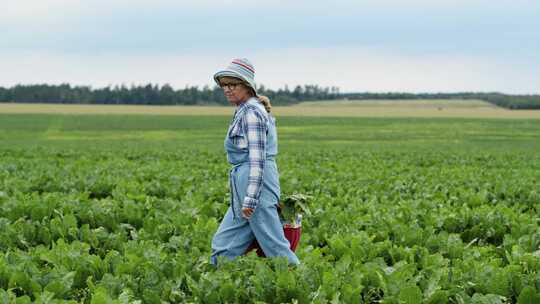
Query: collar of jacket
x,y
241,107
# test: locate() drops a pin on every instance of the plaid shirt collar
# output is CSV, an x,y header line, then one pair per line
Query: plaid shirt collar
x,y
242,107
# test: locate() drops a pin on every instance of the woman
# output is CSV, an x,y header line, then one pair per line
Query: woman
x,y
251,146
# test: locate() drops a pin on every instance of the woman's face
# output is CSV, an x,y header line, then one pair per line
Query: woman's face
x,y
235,91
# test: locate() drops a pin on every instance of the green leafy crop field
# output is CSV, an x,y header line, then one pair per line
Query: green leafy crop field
x,y
122,209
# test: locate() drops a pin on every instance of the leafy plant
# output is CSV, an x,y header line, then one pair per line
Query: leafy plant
x,y
294,205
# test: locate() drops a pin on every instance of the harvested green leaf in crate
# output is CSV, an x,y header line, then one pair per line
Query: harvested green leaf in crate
x,y
293,207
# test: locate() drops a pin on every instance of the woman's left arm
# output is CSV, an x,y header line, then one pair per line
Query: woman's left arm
x,y
256,138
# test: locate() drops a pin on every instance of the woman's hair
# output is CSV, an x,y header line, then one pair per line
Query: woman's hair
x,y
265,102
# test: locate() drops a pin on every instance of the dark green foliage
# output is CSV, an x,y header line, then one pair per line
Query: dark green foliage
x,y
106,211
151,94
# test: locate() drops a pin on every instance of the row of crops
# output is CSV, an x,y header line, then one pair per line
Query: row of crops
x,y
122,209
386,227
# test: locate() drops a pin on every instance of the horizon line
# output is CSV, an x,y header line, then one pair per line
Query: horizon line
x,y
160,85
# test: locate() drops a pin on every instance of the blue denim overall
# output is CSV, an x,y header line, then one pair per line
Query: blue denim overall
x,y
235,232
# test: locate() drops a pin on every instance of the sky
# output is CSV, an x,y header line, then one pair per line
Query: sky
x,y
358,46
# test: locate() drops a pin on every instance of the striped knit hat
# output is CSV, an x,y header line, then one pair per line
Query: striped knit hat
x,y
239,68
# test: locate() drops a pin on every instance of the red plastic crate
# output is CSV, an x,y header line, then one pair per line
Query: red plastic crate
x,y
291,234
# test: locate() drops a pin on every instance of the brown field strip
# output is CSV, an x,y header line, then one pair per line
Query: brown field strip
x,y
368,109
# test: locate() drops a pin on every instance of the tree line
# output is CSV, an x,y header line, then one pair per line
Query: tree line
x,y
152,94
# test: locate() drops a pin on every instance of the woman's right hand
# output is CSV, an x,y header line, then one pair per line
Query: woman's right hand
x,y
247,212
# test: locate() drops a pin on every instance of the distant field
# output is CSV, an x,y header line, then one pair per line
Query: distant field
x,y
344,108
418,103
170,131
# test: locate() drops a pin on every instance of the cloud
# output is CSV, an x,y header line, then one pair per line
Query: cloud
x,y
357,69
171,27
351,69
416,45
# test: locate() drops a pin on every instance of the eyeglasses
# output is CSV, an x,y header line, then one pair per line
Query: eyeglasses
x,y
231,86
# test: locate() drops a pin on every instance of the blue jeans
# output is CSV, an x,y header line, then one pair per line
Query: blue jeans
x,y
234,236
